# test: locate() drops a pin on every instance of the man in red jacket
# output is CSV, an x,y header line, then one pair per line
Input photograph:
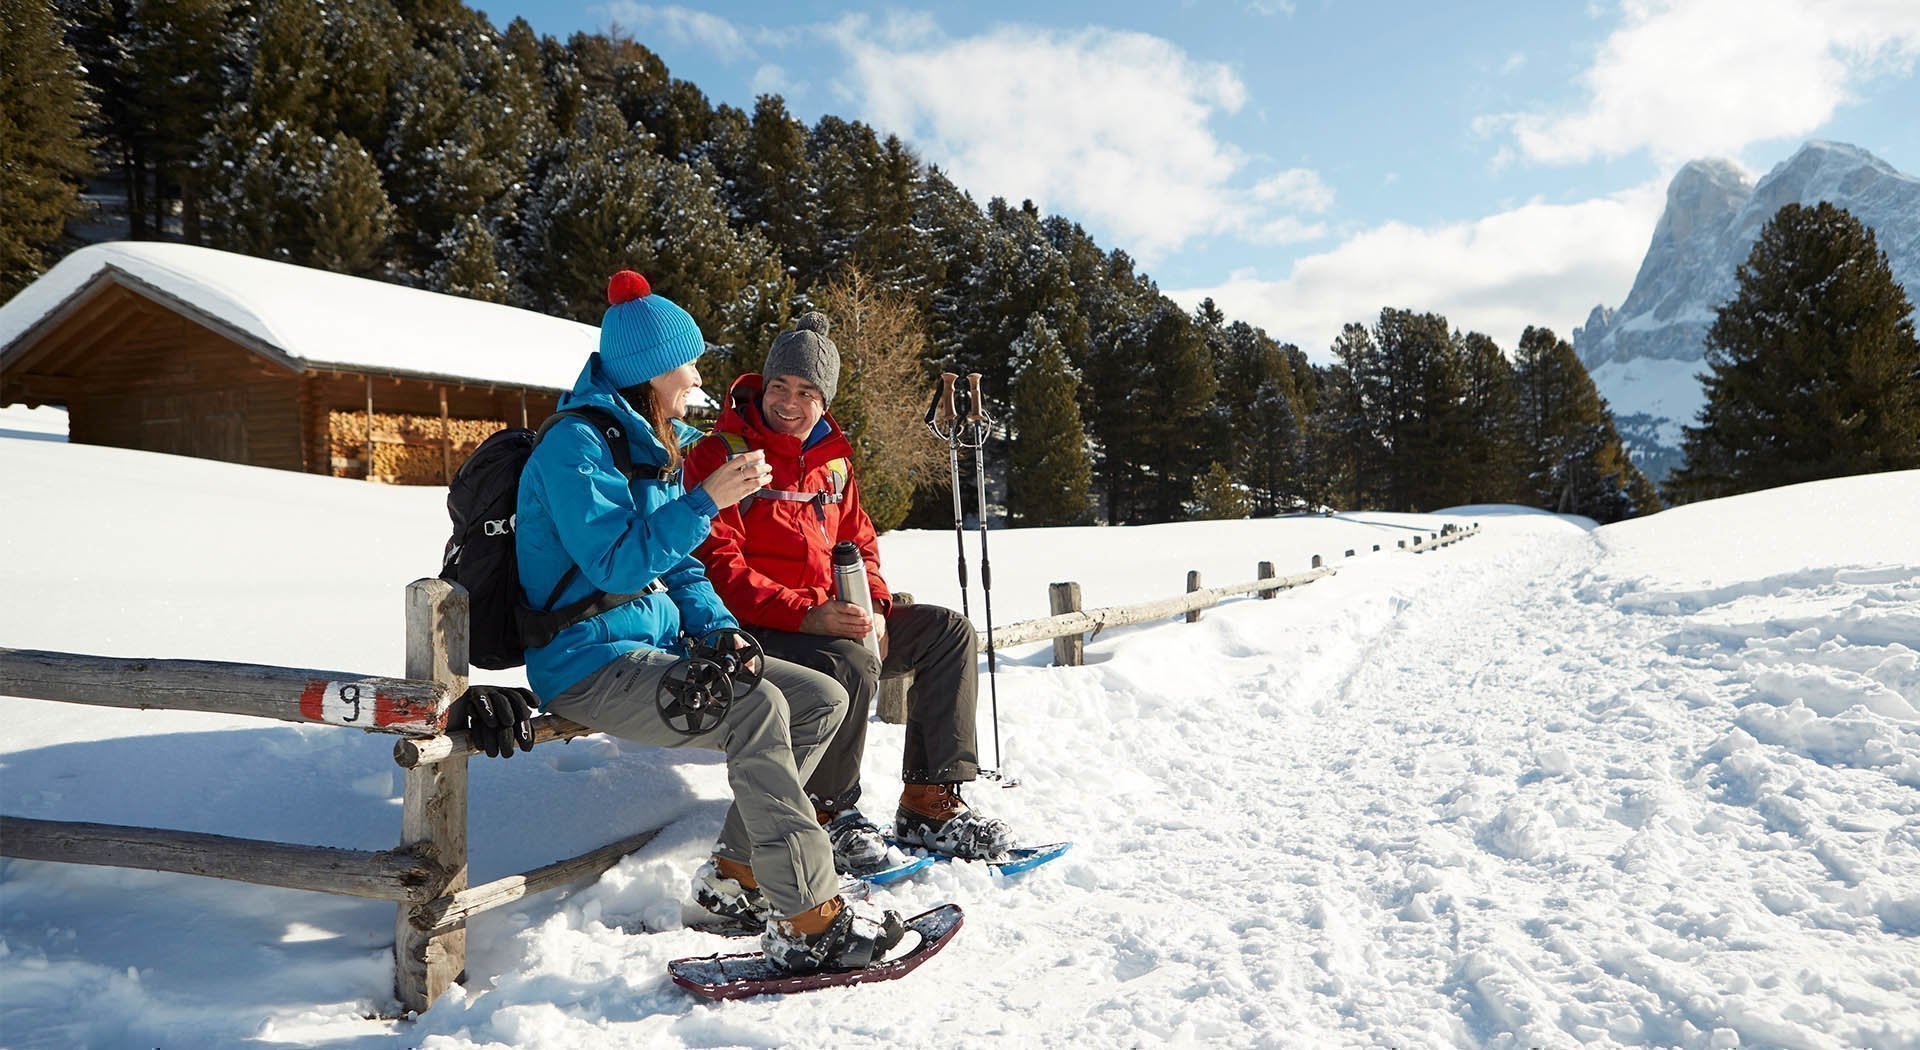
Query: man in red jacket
x,y
770,559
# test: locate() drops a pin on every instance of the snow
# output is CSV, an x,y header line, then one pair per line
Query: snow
x,y
1653,784
1665,388
325,318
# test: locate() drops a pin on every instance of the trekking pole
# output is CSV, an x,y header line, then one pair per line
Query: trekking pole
x,y
979,425
943,419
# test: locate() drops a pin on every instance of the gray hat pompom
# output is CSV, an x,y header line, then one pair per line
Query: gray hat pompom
x,y
812,321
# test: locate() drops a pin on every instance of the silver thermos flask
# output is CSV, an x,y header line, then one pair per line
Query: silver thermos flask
x,y
850,579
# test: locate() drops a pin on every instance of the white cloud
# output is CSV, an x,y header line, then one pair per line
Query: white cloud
x,y
771,79
1298,188
1689,78
1111,127
1513,63
1538,264
1270,7
685,27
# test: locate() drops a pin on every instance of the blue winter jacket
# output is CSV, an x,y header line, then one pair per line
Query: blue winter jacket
x,y
576,509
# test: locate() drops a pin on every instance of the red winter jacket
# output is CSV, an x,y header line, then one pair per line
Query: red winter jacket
x,y
775,562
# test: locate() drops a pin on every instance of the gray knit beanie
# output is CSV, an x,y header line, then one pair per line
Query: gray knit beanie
x,y
808,353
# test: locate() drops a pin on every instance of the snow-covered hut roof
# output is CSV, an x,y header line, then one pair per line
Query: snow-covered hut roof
x,y
315,319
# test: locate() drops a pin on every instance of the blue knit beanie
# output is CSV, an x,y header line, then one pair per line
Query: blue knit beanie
x,y
643,335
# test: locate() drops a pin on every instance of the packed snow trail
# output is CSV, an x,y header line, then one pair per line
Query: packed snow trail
x,y
1512,803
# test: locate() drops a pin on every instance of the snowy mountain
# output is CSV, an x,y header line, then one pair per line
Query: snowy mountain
x,y
1646,785
1645,356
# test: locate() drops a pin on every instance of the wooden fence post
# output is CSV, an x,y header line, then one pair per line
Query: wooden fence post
x,y
433,820
1193,584
1316,561
892,700
1069,650
1267,573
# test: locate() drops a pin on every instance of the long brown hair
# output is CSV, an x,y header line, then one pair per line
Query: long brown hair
x,y
644,401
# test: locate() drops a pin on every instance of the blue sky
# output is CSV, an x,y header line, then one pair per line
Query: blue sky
x,y
1308,162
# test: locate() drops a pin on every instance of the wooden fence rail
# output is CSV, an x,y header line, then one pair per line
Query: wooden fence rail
x,y
1071,627
1070,623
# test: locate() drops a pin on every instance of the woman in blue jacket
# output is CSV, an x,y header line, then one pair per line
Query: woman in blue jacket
x,y
773,862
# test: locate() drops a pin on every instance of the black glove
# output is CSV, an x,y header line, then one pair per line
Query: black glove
x,y
496,718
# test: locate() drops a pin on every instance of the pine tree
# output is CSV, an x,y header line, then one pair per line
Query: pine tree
x,y
1212,438
299,198
351,223
253,210
44,154
365,44
1490,450
158,67
469,263
1417,400
1049,476
1578,464
842,157
1149,392
1017,273
882,338
1350,467
1814,366
606,202
466,120
182,54
1217,497
1260,406
773,186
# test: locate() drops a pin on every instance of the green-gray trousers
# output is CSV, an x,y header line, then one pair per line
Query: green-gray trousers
x,y
773,738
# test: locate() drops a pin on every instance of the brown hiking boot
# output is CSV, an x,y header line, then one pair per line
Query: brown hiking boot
x,y
935,817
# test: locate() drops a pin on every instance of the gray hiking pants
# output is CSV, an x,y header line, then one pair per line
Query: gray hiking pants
x,y
773,737
935,645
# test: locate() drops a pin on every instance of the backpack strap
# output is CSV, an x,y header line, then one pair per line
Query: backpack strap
x,y
540,626
736,444
612,431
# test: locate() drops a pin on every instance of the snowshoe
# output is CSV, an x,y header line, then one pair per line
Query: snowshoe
x,y
851,941
740,976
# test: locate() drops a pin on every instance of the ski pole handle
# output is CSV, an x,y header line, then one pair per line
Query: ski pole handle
x,y
946,414
977,412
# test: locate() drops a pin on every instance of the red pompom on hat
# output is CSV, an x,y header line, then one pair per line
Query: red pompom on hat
x,y
625,287
643,335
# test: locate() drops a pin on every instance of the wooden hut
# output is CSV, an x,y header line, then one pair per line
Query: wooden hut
x,y
173,348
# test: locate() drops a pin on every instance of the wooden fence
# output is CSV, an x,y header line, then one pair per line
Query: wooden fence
x,y
1071,627
426,875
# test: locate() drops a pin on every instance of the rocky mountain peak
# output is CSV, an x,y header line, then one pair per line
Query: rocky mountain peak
x,y
1645,356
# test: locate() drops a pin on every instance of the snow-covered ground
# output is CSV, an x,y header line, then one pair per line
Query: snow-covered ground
x,y
1656,784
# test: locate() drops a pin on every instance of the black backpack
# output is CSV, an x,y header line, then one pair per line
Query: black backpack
x,y
480,555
